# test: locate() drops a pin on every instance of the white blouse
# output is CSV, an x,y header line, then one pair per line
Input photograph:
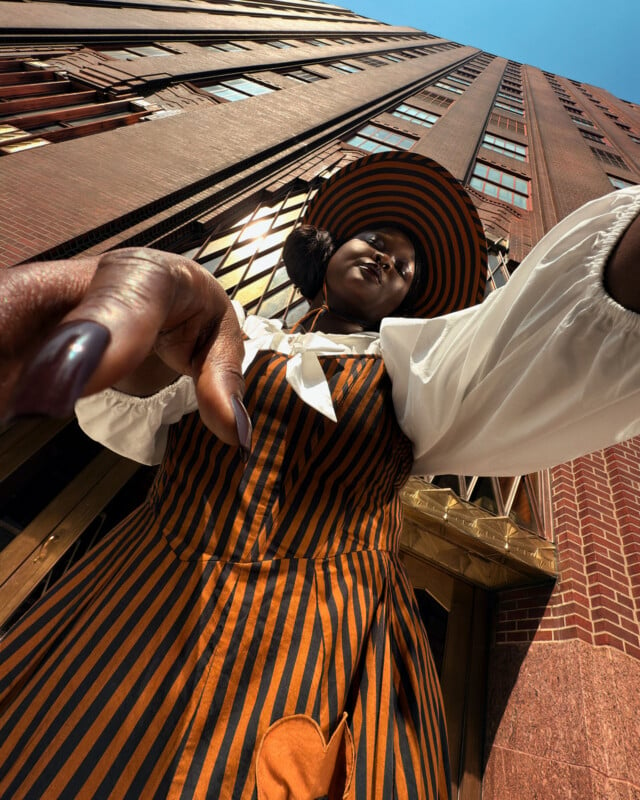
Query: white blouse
x,y
547,368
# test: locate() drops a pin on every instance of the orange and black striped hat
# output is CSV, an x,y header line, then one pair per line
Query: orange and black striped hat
x,y
420,197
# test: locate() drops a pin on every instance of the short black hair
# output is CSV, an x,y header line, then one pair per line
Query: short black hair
x,y
306,254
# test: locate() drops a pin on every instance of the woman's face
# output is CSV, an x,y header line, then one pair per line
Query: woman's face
x,y
370,275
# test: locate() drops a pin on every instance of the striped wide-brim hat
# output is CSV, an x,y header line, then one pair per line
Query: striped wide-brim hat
x,y
423,199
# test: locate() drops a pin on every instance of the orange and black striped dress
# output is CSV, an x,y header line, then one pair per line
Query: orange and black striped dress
x,y
248,632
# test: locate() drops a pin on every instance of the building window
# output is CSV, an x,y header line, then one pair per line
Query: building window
x,y
41,107
458,80
442,85
372,61
593,137
73,122
608,158
315,42
342,67
246,259
278,44
236,89
583,121
245,255
497,273
508,107
375,139
436,99
391,58
501,185
509,85
229,47
129,53
633,138
619,183
303,75
505,146
510,97
413,114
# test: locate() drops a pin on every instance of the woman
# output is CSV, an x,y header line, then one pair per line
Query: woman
x,y
250,631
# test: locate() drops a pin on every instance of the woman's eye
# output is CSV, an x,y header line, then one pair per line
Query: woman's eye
x,y
402,268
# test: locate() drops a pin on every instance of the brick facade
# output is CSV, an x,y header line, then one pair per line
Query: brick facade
x,y
564,664
565,661
596,523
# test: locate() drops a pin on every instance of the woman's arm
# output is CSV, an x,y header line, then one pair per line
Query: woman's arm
x,y
547,368
622,272
72,328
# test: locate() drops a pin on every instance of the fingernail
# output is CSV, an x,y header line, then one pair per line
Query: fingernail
x,y
243,426
56,377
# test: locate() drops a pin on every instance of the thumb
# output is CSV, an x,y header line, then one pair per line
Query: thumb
x,y
217,374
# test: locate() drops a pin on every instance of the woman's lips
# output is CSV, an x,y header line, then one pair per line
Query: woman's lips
x,y
371,272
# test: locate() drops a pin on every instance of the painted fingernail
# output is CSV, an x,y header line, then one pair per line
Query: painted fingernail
x,y
56,377
243,426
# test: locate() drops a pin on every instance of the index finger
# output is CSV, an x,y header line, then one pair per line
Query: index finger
x,y
138,298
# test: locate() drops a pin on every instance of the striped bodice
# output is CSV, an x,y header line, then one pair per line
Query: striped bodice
x,y
312,488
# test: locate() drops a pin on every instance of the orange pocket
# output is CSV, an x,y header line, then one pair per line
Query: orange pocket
x,y
294,761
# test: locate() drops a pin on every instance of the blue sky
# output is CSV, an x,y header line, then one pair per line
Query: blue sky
x,y
591,41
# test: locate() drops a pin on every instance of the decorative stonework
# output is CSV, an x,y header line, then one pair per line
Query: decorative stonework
x,y
93,68
487,550
181,98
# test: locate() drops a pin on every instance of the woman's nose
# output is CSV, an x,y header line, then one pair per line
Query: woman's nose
x,y
384,260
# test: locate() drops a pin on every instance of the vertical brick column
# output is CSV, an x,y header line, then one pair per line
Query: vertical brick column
x,y
456,136
570,655
624,476
574,175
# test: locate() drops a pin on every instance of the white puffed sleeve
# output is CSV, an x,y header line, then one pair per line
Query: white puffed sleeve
x,y
136,427
546,369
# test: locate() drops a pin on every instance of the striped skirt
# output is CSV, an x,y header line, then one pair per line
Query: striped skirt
x,y
249,632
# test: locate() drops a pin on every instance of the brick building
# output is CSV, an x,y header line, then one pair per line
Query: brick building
x,y
202,127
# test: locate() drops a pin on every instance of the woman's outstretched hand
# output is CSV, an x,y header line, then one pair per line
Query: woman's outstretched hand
x,y
134,318
622,273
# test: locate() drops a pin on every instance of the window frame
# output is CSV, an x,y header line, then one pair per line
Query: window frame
x,y
490,180
244,95
365,134
341,66
303,75
279,44
605,157
506,151
107,51
447,88
415,118
622,183
510,109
